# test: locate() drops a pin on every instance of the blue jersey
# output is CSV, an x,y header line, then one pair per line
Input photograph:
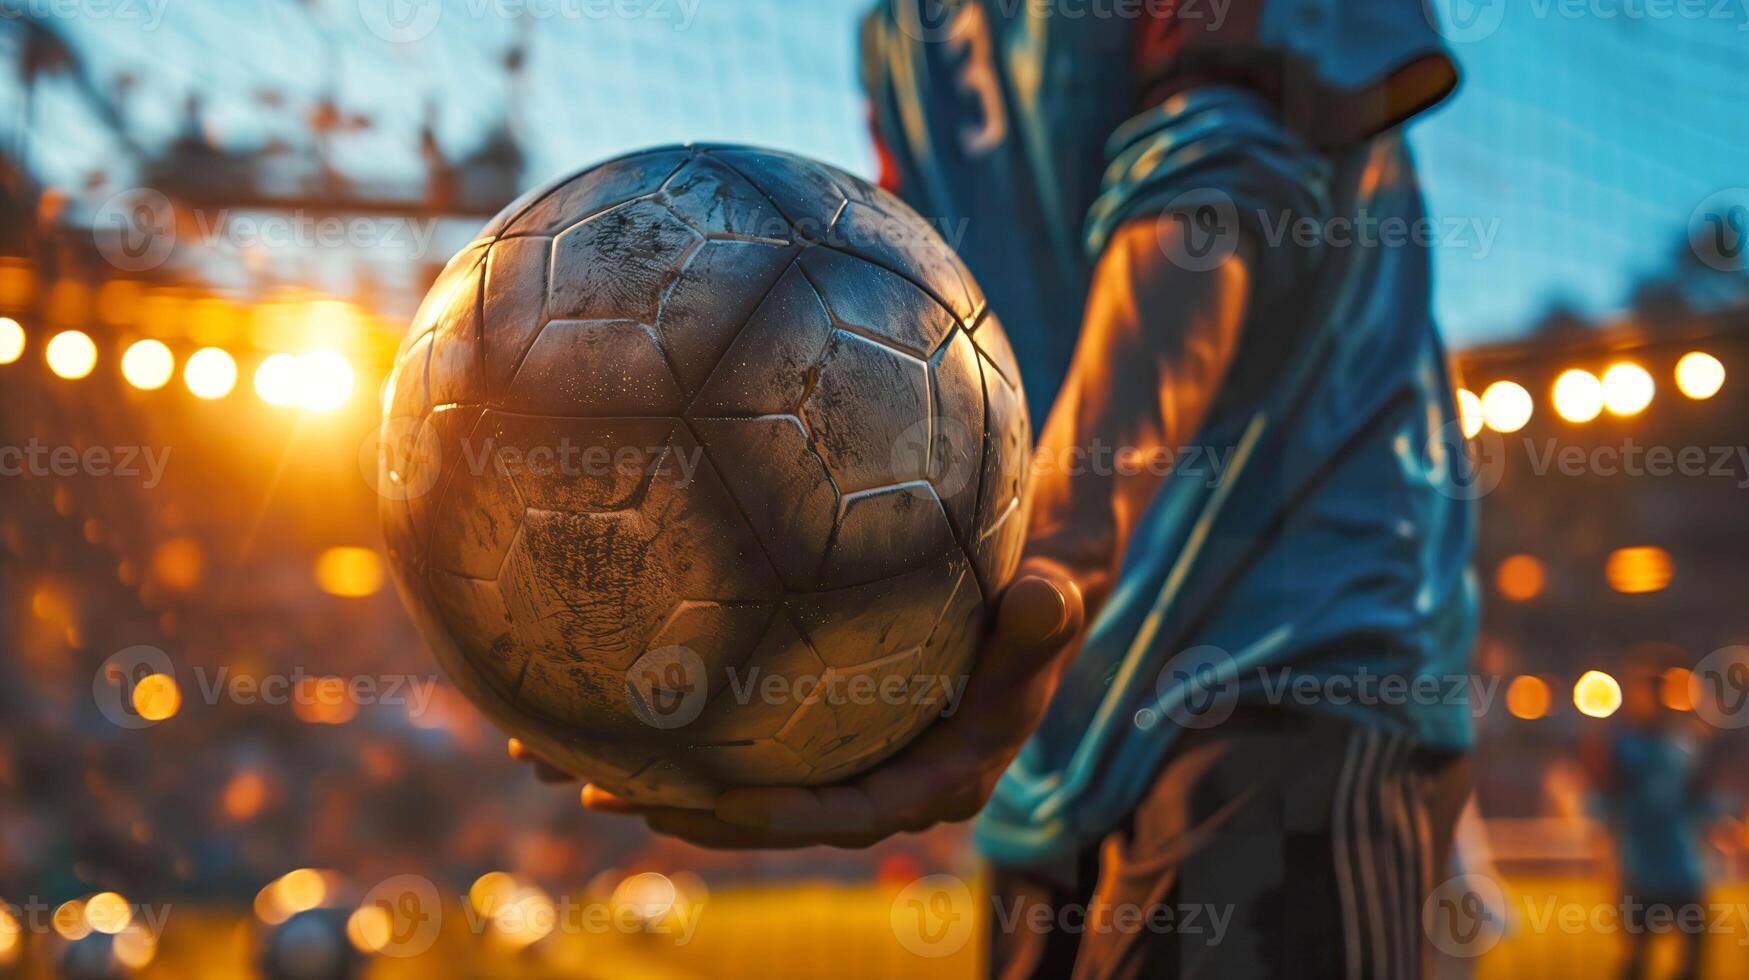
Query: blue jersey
x,y
1323,532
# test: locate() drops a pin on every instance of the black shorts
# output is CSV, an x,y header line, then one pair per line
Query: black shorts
x,y
1274,845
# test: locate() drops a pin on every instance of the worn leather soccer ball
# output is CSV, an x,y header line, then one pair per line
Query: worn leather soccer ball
x,y
699,469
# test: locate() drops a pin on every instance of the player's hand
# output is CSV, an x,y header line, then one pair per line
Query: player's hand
x,y
947,774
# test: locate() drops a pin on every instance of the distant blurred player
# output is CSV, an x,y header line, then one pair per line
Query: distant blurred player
x,y
1652,789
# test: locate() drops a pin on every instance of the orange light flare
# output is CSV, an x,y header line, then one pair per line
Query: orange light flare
x,y
1506,406
1578,396
178,564
210,373
1675,690
324,700
148,364
71,354
11,340
370,929
349,571
245,795
1528,697
1520,578
1469,409
1627,389
1596,694
11,937
108,913
1699,375
295,891
524,918
1639,570
157,697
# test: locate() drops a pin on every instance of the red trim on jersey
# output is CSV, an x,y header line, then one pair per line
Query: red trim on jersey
x,y
888,177
1183,45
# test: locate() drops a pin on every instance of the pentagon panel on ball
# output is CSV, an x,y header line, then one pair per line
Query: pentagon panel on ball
x,y
699,469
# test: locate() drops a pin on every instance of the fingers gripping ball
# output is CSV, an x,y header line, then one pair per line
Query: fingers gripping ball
x,y
708,462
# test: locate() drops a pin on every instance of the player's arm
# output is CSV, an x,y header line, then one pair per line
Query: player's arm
x,y
1155,344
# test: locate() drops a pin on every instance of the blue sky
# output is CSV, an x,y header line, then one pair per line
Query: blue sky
x,y
1570,163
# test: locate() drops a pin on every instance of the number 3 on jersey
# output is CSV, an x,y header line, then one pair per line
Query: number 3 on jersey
x,y
969,40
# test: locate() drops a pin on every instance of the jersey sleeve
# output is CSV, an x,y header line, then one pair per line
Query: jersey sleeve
x,y
1218,157
1242,107
1338,71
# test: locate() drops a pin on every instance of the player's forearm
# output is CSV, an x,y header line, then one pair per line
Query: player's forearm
x,y
1156,344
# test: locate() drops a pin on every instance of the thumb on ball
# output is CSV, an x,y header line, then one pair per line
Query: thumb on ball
x,y
1041,610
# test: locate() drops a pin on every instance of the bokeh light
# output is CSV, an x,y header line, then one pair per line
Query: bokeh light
x,y
70,354
491,890
349,571
178,563
9,937
300,890
1469,408
267,907
136,947
276,379
244,795
148,364
325,700
1506,406
1520,578
1699,375
11,340
1527,697
1675,689
320,380
1597,694
1637,570
69,921
1627,389
369,928
526,918
325,380
157,697
210,373
1578,396
108,913
647,897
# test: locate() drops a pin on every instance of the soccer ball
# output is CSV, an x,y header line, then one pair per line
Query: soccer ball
x,y
699,469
